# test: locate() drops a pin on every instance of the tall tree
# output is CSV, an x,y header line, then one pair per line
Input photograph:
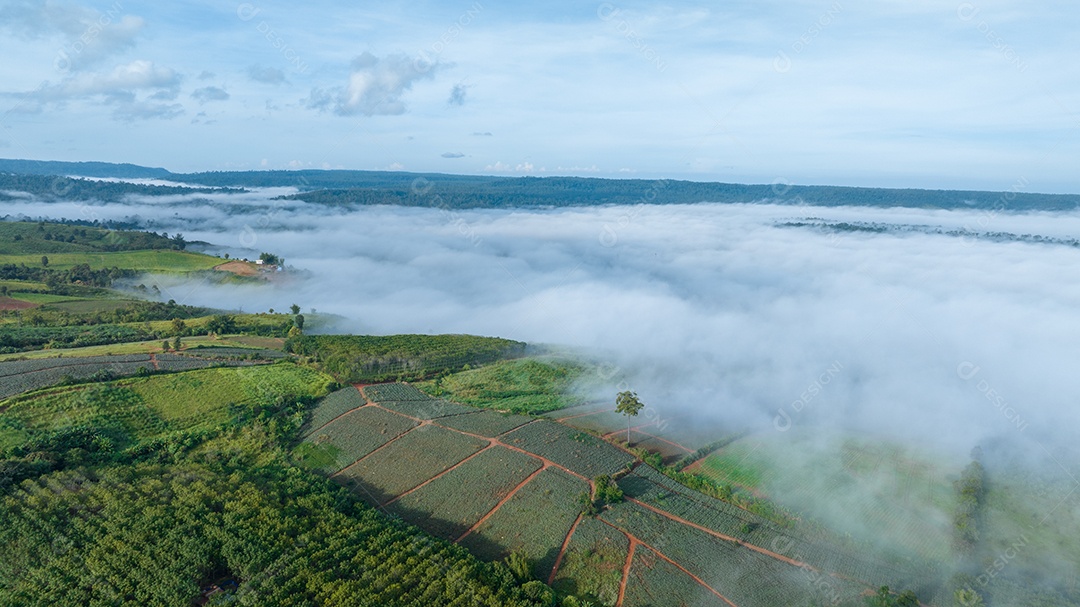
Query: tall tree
x,y
627,403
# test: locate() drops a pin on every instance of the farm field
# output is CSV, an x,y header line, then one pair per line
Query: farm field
x,y
747,576
417,456
516,526
578,451
527,385
191,346
138,409
654,582
352,436
142,261
332,406
485,423
875,486
451,504
33,374
592,566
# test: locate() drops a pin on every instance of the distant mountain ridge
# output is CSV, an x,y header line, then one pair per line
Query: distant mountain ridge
x,y
352,188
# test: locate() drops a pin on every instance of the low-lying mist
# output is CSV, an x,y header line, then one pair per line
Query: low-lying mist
x,y
708,311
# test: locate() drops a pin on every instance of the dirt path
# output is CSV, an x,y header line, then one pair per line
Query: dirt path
x,y
353,410
238,267
562,551
717,534
634,541
377,449
626,568
7,303
154,362
513,491
432,479
360,388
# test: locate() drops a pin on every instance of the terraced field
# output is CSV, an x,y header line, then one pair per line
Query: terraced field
x,y
407,462
534,521
573,449
498,483
19,376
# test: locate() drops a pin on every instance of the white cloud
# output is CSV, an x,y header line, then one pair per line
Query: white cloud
x,y
376,86
266,75
209,93
457,95
87,36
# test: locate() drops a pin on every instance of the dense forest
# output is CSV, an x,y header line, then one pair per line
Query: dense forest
x,y
55,187
370,358
347,187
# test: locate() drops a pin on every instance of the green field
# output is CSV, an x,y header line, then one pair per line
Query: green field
x,y
135,410
382,358
593,563
409,461
857,487
140,261
516,526
530,385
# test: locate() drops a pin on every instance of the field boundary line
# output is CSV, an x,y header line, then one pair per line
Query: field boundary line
x,y
717,534
490,445
512,493
664,440
377,449
627,566
562,551
634,539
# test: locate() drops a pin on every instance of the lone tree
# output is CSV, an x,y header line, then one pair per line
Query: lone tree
x,y
295,309
44,261
628,404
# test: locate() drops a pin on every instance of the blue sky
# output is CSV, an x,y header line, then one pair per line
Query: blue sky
x,y
982,95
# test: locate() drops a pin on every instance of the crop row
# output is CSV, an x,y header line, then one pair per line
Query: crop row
x,y
432,408
25,375
333,405
449,505
385,392
653,488
485,422
743,575
348,439
235,353
578,451
593,563
534,521
407,462
654,582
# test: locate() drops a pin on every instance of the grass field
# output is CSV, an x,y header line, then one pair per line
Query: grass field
x,y
138,347
140,261
853,486
142,408
529,385
20,285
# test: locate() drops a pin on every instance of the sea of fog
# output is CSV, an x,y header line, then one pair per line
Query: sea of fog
x,y
709,310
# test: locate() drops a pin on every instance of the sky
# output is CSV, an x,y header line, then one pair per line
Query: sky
x,y
968,95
